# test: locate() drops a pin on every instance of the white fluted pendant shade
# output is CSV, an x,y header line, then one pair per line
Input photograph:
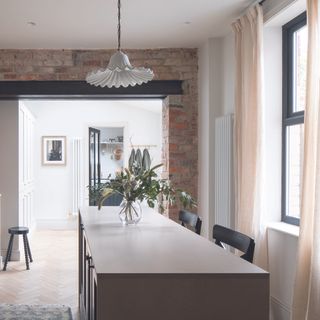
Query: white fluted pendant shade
x,y
119,73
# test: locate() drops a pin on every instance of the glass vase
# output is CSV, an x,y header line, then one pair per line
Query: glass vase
x,y
130,212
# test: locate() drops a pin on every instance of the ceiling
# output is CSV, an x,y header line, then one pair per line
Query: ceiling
x,y
91,24
287,14
151,105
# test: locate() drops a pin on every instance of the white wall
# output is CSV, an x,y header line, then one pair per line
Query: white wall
x,y
228,74
210,106
205,141
216,98
9,172
282,238
53,185
281,245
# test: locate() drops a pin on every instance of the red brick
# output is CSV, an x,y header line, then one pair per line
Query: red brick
x,y
92,63
9,76
173,147
181,125
180,113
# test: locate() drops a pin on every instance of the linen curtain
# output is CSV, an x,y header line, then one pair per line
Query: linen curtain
x,y
249,128
306,297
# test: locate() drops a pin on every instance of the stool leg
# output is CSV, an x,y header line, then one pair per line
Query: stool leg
x,y
29,251
26,251
8,256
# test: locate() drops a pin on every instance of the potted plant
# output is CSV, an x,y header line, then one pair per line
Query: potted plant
x,y
136,185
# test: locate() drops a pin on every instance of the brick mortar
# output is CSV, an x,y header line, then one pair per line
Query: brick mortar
x,y
180,113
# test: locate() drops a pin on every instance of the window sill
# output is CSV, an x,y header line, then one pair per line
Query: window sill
x,y
286,228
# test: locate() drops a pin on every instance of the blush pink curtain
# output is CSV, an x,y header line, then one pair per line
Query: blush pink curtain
x,y
306,300
248,32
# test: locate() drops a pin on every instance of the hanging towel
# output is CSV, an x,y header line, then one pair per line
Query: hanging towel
x,y
138,159
146,160
132,158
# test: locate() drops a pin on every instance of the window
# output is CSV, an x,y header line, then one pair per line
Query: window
x,y
295,37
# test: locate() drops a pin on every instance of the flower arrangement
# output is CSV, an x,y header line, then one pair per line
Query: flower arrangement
x,y
136,185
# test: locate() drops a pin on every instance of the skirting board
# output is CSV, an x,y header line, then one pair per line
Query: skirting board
x,y
279,311
56,224
15,255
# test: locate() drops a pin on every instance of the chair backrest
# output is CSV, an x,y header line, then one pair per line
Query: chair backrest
x,y
235,239
191,219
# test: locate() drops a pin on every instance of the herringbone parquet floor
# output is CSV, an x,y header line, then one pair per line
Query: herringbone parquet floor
x,y
52,278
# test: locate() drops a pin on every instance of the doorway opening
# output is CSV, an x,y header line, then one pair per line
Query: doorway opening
x,y
105,159
58,211
95,139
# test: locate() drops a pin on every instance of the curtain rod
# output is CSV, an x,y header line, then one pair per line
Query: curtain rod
x,y
143,145
253,4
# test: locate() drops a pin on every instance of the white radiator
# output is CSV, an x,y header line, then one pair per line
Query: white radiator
x,y
76,174
224,180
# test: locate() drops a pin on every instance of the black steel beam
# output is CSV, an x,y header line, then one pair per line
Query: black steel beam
x,y
81,90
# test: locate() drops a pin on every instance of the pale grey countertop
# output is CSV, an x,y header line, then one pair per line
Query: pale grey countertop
x,y
156,245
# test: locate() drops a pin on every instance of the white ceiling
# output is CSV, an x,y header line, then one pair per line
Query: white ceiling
x,y
287,14
151,105
89,24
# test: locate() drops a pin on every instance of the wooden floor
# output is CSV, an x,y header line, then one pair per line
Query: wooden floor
x,y
52,278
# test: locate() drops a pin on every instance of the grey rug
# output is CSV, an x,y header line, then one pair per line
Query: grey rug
x,y
35,312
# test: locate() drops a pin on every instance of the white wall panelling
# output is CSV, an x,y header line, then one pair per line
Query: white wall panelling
x,y
26,169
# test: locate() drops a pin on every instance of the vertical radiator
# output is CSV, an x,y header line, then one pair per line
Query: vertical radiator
x,y
224,179
76,174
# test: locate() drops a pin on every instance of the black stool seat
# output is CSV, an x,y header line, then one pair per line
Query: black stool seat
x,y
18,230
27,252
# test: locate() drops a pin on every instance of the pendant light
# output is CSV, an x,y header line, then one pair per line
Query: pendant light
x,y
119,71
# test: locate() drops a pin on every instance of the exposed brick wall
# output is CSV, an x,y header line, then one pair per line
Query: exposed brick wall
x,y
180,142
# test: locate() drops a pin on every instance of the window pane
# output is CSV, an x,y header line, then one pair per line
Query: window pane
x,y
294,161
300,68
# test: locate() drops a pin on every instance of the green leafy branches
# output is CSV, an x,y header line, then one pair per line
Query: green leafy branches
x,y
142,185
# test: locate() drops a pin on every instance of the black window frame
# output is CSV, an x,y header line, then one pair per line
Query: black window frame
x,y
289,117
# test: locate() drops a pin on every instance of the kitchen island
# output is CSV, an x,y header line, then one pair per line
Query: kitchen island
x,y
158,270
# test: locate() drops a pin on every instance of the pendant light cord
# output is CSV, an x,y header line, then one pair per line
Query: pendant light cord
x,y
119,25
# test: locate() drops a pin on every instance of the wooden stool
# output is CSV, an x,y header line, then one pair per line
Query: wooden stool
x,y
27,252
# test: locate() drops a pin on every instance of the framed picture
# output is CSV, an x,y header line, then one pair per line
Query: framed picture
x,y
54,151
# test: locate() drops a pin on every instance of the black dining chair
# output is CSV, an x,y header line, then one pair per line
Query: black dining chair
x,y
191,219
235,239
